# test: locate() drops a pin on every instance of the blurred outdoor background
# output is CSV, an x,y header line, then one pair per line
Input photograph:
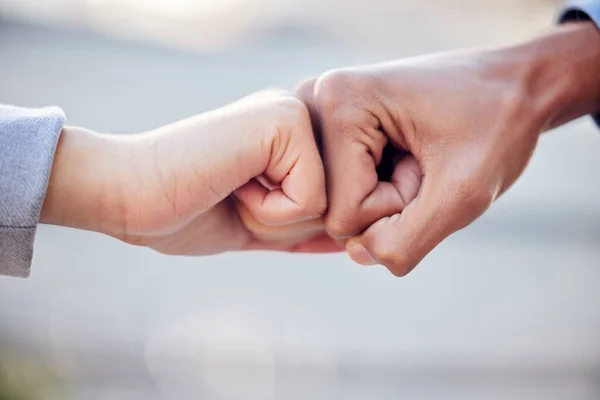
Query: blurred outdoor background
x,y
506,309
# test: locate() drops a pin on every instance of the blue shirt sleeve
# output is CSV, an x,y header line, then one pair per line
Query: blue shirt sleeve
x,y
582,10
28,139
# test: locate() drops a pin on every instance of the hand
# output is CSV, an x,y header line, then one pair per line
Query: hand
x,y
247,176
417,149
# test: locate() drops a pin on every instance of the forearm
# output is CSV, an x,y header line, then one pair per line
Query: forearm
x,y
575,60
170,188
557,72
86,188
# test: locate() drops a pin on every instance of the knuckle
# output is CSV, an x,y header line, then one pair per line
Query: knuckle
x,y
291,118
305,89
279,106
330,89
397,262
278,99
344,99
399,272
289,101
292,110
386,256
403,268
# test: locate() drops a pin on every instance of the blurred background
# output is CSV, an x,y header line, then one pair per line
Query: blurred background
x,y
506,309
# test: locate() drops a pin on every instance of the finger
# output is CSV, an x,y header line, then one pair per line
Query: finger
x,y
270,207
351,178
401,241
292,233
391,197
295,166
306,92
356,196
406,178
301,237
353,145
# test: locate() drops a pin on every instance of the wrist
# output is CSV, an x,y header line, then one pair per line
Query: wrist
x,y
557,73
87,188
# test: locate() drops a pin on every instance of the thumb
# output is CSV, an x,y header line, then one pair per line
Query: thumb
x,y
265,137
292,186
401,241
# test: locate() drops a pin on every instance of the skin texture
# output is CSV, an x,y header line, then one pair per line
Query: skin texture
x,y
454,130
247,176
414,150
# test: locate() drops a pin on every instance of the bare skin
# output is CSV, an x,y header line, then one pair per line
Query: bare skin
x,y
193,187
462,127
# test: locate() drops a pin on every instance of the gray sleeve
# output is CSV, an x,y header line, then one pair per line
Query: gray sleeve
x,y
581,10
28,139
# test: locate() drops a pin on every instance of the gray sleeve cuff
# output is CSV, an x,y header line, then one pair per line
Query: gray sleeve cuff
x,y
581,10
28,139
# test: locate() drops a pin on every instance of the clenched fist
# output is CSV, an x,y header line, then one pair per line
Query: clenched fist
x,y
246,176
417,149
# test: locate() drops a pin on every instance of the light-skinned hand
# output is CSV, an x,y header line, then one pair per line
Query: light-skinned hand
x,y
246,176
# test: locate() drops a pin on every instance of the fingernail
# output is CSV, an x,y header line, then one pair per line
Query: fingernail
x,y
360,255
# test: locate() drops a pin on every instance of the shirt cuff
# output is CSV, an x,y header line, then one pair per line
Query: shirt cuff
x,y
28,139
581,10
